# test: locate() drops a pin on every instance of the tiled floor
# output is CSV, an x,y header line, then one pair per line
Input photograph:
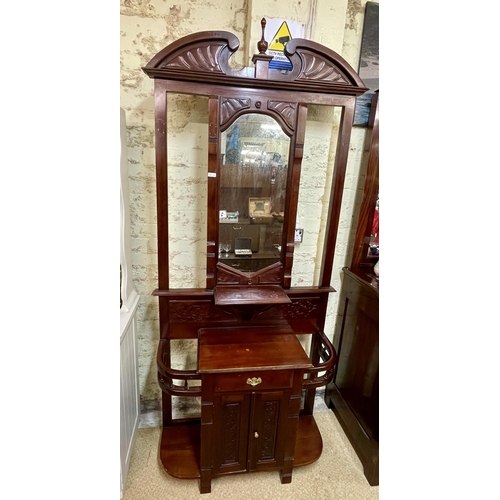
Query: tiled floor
x,y
189,407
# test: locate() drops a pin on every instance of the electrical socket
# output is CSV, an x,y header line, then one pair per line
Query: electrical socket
x,y
299,234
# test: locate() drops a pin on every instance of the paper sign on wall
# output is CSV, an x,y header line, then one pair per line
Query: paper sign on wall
x,y
278,33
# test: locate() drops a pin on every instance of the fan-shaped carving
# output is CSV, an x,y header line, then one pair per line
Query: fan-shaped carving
x,y
318,68
285,109
230,106
202,58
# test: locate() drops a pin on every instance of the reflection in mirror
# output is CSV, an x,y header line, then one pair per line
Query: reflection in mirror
x,y
253,178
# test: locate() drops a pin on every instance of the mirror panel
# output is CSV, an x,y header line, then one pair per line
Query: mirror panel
x,y
252,194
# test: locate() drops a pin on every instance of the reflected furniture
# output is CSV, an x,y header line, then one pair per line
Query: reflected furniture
x,y
353,392
255,380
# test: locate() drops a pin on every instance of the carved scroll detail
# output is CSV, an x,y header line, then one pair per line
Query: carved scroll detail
x,y
231,427
270,424
204,58
194,311
285,109
230,106
300,309
318,68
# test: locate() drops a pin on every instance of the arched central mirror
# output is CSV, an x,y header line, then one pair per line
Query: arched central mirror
x,y
253,176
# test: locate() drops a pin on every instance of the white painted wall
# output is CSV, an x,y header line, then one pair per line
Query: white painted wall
x,y
147,27
129,369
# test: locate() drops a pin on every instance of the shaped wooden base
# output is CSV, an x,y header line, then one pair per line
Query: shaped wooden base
x,y
180,447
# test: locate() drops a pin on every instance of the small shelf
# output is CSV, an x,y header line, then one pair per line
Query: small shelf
x,y
250,295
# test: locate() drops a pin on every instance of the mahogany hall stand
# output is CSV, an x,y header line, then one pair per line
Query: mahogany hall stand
x,y
254,378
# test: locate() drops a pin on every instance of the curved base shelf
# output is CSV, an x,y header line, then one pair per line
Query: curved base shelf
x,y
180,447
309,444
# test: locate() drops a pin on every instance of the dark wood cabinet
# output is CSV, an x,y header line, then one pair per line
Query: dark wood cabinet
x,y
353,392
251,402
255,380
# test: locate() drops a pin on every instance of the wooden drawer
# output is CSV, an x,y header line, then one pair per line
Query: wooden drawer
x,y
239,381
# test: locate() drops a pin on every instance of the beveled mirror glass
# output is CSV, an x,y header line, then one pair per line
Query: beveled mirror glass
x,y
253,177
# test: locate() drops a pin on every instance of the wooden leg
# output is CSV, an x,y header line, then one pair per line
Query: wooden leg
x,y
286,471
285,478
206,481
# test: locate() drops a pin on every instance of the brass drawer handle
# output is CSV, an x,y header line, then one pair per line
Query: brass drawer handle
x,y
254,381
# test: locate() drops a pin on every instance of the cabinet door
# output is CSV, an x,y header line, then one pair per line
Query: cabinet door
x,y
231,418
268,422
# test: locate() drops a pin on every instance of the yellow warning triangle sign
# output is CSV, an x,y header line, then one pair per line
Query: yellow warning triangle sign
x,y
282,37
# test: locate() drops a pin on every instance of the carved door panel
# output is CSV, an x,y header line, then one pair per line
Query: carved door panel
x,y
231,418
267,429
250,430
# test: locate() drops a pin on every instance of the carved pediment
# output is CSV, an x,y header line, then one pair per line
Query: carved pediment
x,y
200,58
318,68
203,57
204,52
315,63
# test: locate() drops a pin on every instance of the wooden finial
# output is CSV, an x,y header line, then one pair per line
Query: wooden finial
x,y
262,45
